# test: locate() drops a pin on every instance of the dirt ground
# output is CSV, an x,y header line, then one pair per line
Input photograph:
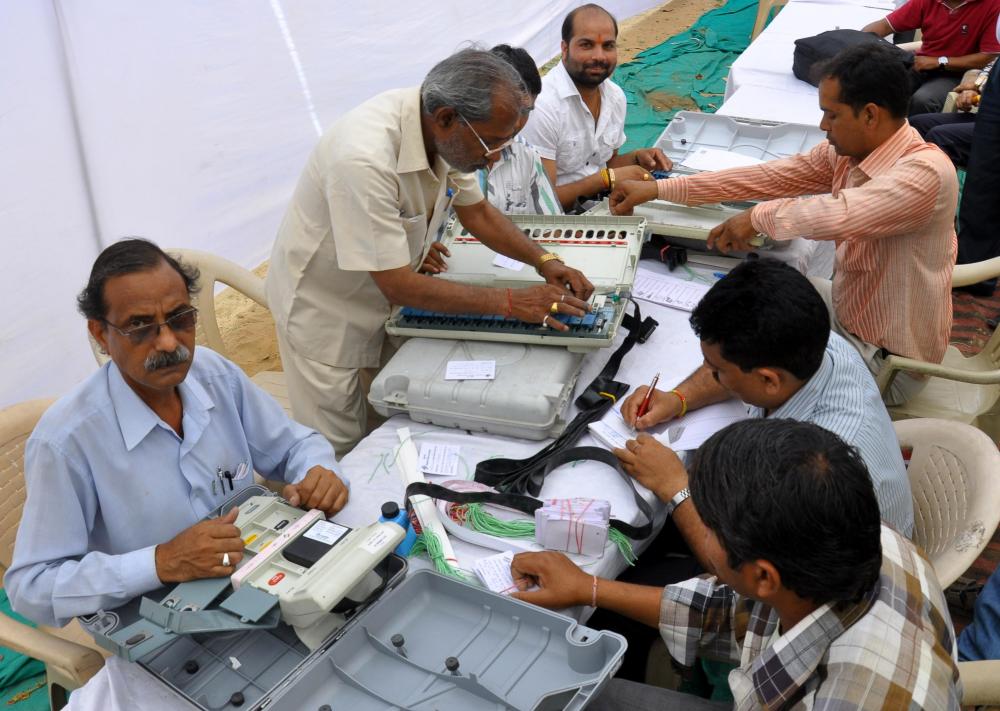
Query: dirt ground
x,y
247,328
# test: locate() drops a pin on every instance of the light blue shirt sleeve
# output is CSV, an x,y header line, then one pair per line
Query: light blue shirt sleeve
x,y
56,577
282,449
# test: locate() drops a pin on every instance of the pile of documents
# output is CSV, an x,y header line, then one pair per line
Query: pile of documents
x,y
573,525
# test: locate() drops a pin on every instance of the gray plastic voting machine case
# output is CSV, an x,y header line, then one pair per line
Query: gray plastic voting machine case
x,y
423,642
605,248
690,131
526,399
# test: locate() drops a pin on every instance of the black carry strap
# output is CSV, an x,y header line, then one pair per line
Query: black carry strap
x,y
525,476
528,504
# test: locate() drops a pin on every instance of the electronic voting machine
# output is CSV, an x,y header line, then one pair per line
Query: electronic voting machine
x,y
605,248
696,142
318,617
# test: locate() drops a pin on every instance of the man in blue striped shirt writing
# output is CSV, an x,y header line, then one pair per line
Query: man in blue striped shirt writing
x,y
765,336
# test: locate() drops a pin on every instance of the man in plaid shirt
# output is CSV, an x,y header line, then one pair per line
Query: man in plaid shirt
x,y
820,605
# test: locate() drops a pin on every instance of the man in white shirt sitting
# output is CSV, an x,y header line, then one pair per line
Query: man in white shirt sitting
x,y
578,124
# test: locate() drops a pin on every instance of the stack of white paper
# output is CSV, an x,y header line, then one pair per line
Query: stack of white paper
x,y
573,525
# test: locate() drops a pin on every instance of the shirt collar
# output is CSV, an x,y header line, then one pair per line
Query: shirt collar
x,y
136,419
412,152
888,154
566,87
802,404
780,671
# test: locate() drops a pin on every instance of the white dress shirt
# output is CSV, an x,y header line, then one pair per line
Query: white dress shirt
x,y
561,127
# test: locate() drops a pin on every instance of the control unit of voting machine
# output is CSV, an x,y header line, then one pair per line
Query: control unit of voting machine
x,y
319,617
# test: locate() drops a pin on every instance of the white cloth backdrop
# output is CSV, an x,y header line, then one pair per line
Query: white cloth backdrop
x,y
187,122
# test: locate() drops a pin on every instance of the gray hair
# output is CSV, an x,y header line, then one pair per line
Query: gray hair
x,y
469,81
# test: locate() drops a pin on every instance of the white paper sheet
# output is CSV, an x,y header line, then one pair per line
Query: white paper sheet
x,y
668,291
507,263
471,370
714,159
441,459
694,428
494,571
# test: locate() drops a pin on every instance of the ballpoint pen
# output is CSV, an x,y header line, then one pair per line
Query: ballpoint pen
x,y
644,405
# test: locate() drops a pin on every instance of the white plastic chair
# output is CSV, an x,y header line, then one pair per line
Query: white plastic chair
x,y
214,269
954,473
764,8
963,389
980,683
70,655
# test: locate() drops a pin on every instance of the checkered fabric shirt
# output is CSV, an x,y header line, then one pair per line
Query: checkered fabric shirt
x,y
893,650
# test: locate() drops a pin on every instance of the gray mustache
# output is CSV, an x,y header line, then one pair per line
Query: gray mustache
x,y
165,359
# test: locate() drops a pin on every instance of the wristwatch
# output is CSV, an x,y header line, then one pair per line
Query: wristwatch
x,y
679,498
943,62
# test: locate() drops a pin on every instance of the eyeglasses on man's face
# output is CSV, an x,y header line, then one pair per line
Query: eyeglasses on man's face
x,y
138,332
489,152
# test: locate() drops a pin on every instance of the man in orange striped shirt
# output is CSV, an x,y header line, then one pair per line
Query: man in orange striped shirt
x,y
875,188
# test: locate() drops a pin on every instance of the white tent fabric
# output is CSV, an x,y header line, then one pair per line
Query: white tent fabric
x,y
187,122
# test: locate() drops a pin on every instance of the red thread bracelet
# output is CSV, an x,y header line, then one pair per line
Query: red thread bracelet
x,y
510,304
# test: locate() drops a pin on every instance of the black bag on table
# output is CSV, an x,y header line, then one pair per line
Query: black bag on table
x,y
810,51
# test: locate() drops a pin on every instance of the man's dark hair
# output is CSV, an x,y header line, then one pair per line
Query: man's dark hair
x,y
796,495
765,314
127,256
871,74
567,25
524,64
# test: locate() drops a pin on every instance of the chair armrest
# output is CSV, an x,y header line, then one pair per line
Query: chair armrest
x,y
894,364
73,660
980,682
249,284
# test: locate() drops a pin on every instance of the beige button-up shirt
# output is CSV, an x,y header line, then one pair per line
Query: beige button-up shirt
x,y
368,200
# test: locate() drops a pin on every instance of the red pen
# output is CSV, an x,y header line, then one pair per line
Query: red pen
x,y
644,405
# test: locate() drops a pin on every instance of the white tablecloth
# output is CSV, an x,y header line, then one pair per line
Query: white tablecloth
x,y
767,62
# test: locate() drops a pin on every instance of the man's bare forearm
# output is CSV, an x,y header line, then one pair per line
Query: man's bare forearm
x,y
496,231
969,61
584,187
404,287
638,602
701,389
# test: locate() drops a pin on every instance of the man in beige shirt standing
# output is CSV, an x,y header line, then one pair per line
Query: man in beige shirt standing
x,y
372,196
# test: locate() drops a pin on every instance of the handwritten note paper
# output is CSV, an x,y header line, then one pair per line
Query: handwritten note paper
x,y
441,459
494,571
471,370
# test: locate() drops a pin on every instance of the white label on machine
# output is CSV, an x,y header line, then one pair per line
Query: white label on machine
x,y
326,532
507,263
441,459
376,541
471,370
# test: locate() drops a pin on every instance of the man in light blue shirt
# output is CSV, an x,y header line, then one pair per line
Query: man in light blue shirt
x,y
123,471
765,337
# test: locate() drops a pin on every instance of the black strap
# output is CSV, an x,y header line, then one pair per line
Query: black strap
x,y
525,476
528,504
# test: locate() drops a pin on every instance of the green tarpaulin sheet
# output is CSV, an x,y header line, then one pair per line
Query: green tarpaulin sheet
x,y
687,72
